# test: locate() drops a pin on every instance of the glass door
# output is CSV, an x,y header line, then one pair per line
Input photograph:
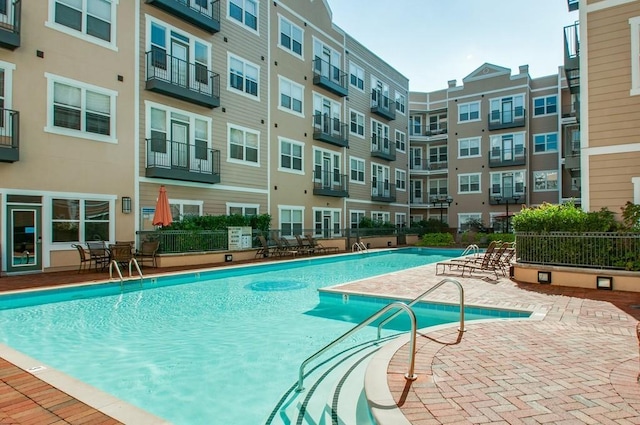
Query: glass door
x,y
24,252
507,111
179,63
180,143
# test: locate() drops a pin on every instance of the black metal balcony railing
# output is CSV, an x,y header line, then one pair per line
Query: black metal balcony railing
x,y
499,157
182,161
382,106
381,147
501,195
175,77
383,191
201,13
330,77
572,56
439,166
330,130
10,24
435,130
330,183
9,135
507,119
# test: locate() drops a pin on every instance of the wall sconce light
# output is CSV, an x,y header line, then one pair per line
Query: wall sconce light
x,y
126,204
604,282
388,243
544,277
228,258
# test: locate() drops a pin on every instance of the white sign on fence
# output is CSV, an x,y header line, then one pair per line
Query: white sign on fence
x,y
239,237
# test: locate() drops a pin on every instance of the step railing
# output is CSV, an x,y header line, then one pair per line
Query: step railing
x,y
472,249
117,267
410,375
424,294
360,247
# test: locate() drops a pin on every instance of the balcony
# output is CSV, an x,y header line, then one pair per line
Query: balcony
x,y
202,13
499,120
175,77
435,130
330,77
330,130
9,135
383,191
10,13
382,106
503,195
499,157
328,183
429,167
381,147
572,56
168,159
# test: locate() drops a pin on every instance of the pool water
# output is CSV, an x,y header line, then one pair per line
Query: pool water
x,y
216,347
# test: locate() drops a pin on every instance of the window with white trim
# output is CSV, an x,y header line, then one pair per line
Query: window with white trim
x,y
507,147
469,183
327,62
400,103
544,143
6,91
356,170
401,180
246,210
506,110
326,116
469,148
291,96
415,125
545,180
81,110
380,217
438,187
245,12
291,37
356,76
291,156
545,105
291,220
468,112
465,220
326,222
89,19
80,220
401,141
355,216
507,184
437,157
244,76
437,124
244,145
380,137
356,125
415,191
327,168
415,218
634,23
401,219
184,208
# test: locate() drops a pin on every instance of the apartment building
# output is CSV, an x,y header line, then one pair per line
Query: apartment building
x,y
482,149
67,125
235,106
601,59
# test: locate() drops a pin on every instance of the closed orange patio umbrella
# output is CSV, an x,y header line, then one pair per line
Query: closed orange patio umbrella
x,y
162,216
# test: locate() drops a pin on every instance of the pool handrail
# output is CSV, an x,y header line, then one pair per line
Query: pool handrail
x,y
131,261
410,375
472,249
424,294
360,247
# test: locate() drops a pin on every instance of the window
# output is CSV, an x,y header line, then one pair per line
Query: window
x,y
469,112
415,218
291,36
507,110
356,76
291,155
506,147
508,184
437,124
326,116
437,157
355,217
327,168
81,110
401,143
545,180
356,167
469,148
380,95
465,220
243,76
468,183
246,210
92,18
416,191
401,219
545,105
184,208
545,142
400,103
327,62
291,220
380,217
380,137
401,180
380,181
243,145
245,12
357,123
291,95
79,220
438,187
416,125
635,55
326,223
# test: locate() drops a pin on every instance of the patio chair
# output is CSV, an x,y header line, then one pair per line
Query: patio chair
x,y
147,253
318,247
304,245
99,254
85,258
265,250
285,248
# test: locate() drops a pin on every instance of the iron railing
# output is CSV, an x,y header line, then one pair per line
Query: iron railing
x,y
178,72
589,250
329,76
331,130
182,156
9,128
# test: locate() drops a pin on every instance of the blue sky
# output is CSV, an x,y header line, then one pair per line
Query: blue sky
x,y
434,41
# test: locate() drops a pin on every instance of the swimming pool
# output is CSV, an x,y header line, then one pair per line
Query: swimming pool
x,y
214,347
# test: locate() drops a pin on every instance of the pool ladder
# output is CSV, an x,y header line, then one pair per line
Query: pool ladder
x,y
360,247
400,307
132,261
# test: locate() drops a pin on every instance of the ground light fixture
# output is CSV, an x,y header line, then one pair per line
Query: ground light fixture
x,y
544,277
604,282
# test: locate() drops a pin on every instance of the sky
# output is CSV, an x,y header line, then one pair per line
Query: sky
x,y
434,41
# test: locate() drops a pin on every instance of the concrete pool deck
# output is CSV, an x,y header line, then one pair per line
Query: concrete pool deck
x,y
575,361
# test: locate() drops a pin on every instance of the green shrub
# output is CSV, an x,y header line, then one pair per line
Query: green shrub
x,y
436,239
221,222
563,218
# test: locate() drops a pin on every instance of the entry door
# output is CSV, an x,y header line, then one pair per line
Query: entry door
x,y
326,224
507,111
326,171
507,186
24,241
180,144
507,149
179,63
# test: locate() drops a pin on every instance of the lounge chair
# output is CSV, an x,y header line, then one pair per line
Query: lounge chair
x,y
319,248
265,250
459,263
304,245
284,248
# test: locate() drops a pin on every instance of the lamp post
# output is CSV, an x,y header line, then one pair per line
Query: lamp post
x,y
498,200
442,200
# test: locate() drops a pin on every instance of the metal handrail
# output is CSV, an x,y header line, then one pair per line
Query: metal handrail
x,y
472,249
360,247
410,375
114,262
419,297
